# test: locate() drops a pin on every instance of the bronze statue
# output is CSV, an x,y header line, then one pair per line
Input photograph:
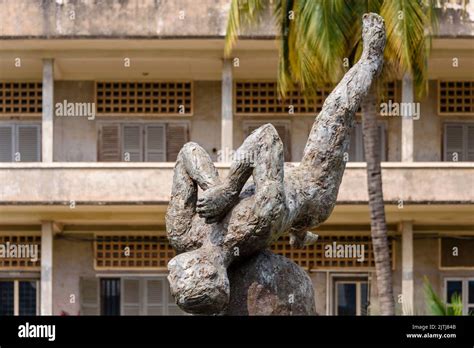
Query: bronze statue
x,y
236,219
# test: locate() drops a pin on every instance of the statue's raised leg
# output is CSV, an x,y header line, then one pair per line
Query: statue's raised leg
x,y
260,155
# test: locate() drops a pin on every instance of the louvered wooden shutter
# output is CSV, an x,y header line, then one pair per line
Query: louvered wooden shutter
x,y
470,142
6,143
89,293
109,143
284,134
155,143
155,304
28,142
131,297
176,137
132,143
453,142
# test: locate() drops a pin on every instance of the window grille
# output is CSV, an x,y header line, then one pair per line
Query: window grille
x,y
313,257
21,98
25,259
153,98
132,252
258,97
456,97
261,98
154,252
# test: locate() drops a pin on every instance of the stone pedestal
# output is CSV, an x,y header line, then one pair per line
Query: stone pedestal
x,y
269,284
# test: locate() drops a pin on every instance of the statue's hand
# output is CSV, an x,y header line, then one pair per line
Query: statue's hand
x,y
216,202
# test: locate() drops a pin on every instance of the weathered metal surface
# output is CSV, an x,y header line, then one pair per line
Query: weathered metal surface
x,y
235,219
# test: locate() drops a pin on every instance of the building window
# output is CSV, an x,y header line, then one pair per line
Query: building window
x,y
20,142
145,252
355,152
19,297
127,296
29,260
458,142
141,142
462,287
260,98
283,129
110,296
6,297
455,98
322,255
456,252
149,98
351,297
21,98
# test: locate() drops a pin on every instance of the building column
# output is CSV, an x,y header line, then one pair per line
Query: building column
x,y
227,116
407,267
46,294
407,120
48,111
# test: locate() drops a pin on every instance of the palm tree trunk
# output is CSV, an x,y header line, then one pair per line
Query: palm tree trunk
x,y
376,205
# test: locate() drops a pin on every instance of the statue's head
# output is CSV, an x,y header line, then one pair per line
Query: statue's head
x,y
373,33
199,283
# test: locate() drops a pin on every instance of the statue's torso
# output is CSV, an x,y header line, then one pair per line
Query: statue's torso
x,y
243,229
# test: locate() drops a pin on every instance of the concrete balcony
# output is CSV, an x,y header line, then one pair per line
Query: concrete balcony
x,y
150,183
139,192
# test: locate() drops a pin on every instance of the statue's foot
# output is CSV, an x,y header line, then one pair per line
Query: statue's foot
x,y
216,202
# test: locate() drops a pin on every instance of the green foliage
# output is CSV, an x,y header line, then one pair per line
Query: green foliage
x,y
317,36
242,12
408,24
436,305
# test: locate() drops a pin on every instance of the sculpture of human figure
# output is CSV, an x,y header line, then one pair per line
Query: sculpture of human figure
x,y
230,221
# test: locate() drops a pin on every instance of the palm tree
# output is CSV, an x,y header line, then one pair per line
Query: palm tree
x,y
317,38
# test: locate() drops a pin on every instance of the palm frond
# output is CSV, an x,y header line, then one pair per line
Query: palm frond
x,y
241,12
285,73
322,33
407,40
325,27
435,305
456,305
432,15
313,44
359,8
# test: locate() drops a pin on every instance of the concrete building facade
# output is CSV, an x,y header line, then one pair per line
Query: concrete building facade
x,y
96,99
